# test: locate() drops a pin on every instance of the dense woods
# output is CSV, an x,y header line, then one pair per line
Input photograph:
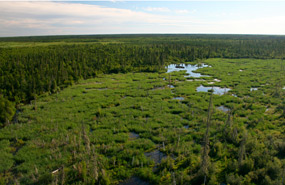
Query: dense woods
x,y
102,109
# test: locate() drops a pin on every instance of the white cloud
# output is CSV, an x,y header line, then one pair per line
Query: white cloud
x,y
164,9
55,18
71,18
157,9
56,9
263,25
181,11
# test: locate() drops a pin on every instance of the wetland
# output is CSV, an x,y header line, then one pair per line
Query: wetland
x,y
145,110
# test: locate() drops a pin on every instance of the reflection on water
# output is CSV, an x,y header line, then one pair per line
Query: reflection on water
x,y
189,69
217,90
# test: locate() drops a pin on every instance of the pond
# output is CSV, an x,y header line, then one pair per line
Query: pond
x,y
217,90
189,69
223,108
178,98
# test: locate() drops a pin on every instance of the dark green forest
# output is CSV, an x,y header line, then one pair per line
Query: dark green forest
x,y
98,109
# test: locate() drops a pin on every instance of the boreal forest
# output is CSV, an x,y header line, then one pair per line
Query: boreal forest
x,y
142,109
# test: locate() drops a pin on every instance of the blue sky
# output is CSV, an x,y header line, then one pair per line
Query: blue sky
x,y
24,18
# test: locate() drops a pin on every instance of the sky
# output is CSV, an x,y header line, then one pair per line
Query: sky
x,y
29,18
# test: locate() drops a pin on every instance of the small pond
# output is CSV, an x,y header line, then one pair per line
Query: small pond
x,y
217,90
223,108
178,98
189,69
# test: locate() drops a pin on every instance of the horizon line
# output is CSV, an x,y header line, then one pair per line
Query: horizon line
x,y
110,34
